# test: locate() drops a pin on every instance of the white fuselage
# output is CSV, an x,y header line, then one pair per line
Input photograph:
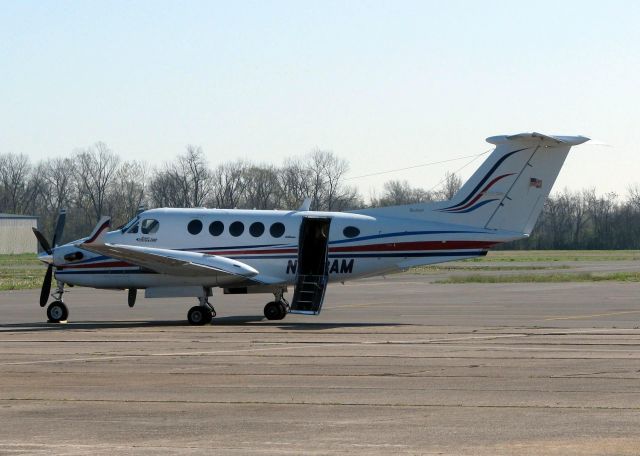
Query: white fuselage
x,y
359,245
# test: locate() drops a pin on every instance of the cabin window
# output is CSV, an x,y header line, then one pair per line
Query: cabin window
x,y
236,229
216,228
194,227
351,232
256,229
149,226
277,230
133,229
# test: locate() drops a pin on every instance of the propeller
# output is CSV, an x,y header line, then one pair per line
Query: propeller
x,y
46,286
57,235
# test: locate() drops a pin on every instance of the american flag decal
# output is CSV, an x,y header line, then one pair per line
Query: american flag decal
x,y
537,183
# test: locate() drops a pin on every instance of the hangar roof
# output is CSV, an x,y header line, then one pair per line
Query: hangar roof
x,y
15,216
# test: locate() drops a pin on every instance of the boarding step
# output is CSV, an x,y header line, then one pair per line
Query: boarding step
x,y
309,294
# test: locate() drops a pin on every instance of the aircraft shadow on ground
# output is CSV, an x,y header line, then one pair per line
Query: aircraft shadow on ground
x,y
251,320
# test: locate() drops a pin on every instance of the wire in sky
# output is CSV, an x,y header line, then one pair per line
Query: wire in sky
x,y
475,156
461,168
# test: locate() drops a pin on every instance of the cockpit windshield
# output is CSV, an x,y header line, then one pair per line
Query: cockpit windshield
x,y
129,224
149,226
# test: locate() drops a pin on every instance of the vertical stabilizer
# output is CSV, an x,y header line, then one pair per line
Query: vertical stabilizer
x,y
507,192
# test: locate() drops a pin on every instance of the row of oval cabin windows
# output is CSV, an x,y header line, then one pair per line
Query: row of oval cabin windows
x,y
236,229
256,229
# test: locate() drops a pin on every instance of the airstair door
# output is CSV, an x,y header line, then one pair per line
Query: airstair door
x,y
312,270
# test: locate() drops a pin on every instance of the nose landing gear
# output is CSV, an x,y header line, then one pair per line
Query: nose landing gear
x,y
57,311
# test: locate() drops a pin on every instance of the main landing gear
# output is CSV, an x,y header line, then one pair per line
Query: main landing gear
x,y
201,314
57,311
278,309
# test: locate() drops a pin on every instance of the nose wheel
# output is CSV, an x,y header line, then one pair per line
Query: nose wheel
x,y
57,311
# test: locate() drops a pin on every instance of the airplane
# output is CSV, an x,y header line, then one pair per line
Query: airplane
x,y
175,253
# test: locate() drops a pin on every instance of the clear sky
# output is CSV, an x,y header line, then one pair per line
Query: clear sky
x,y
383,84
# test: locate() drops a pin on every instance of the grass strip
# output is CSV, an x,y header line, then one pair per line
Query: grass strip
x,y
545,278
557,255
481,267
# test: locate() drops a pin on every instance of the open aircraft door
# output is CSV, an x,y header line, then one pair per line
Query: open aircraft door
x,y
312,271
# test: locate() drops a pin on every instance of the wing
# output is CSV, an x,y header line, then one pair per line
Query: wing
x,y
173,262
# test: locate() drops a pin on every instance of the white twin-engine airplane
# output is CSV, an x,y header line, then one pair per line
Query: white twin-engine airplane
x,y
188,252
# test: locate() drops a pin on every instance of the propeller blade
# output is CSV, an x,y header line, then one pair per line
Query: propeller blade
x,y
46,287
57,234
43,242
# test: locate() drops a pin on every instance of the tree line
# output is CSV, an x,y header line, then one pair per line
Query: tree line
x,y
94,181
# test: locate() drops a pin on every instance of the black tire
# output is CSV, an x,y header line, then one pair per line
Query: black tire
x,y
275,310
199,315
57,311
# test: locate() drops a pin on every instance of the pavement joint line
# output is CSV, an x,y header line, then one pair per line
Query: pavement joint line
x,y
216,352
578,317
321,404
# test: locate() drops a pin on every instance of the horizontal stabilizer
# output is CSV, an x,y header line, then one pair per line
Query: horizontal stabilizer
x,y
538,139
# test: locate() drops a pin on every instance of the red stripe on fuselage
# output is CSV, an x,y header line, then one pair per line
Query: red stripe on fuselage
x,y
249,252
388,246
426,245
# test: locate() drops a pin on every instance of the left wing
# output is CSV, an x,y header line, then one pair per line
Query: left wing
x,y
166,261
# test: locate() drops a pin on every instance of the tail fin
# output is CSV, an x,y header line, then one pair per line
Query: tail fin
x,y
507,192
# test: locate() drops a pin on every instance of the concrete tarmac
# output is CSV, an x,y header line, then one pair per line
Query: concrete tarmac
x,y
391,366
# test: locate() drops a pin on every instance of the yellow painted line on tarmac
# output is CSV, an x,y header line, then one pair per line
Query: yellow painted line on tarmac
x,y
578,317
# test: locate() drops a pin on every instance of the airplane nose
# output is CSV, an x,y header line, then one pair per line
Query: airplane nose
x,y
45,258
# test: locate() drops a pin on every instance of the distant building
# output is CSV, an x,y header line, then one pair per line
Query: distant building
x,y
16,235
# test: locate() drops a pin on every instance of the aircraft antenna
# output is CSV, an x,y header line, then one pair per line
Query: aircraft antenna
x,y
474,157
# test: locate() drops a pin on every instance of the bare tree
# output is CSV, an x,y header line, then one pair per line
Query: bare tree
x,y
633,196
295,183
57,178
187,182
320,176
196,177
96,168
229,183
129,191
452,183
397,192
262,189
165,189
14,177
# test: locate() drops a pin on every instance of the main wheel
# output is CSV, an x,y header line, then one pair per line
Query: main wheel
x,y
275,310
199,315
57,312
